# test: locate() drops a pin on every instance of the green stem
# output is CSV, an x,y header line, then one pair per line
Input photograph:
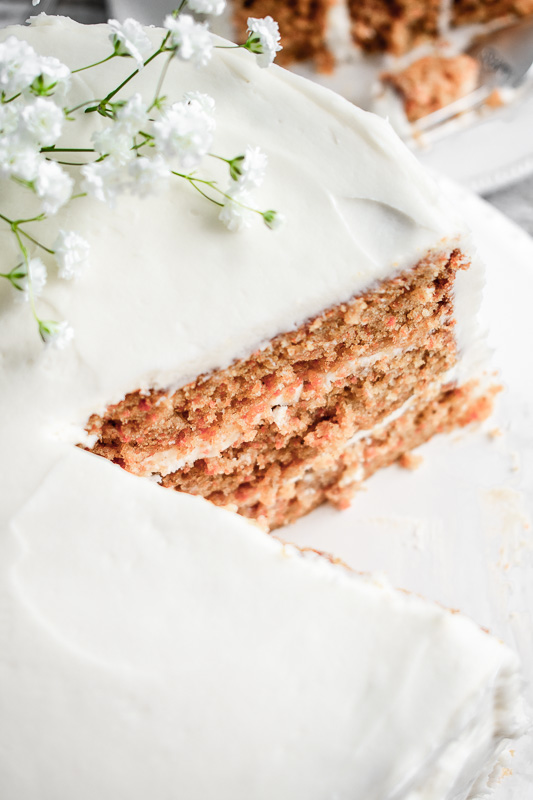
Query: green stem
x,y
179,9
96,64
158,52
5,102
27,235
161,81
211,199
70,163
15,227
215,188
24,252
54,149
80,105
19,222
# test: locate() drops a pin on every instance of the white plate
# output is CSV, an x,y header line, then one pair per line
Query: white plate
x,y
492,154
488,155
458,529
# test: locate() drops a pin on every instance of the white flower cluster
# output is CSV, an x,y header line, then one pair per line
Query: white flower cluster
x,y
136,148
186,129
130,39
121,168
31,120
247,173
189,40
263,39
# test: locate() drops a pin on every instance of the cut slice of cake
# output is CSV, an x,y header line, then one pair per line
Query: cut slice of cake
x,y
153,644
311,415
276,369
433,82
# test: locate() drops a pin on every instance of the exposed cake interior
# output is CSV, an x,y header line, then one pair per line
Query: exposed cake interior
x,y
303,24
397,27
318,410
309,29
432,82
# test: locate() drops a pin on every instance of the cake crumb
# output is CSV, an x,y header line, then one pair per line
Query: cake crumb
x,y
410,461
495,99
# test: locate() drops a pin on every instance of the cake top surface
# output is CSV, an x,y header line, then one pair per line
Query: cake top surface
x,y
173,293
149,633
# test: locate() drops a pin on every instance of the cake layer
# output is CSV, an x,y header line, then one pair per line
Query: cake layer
x,y
252,437
379,25
303,25
277,487
465,12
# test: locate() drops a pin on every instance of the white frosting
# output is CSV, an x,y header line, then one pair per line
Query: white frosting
x,y
152,645
205,304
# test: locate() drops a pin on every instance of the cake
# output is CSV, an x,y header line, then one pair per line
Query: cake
x,y
326,30
433,82
153,643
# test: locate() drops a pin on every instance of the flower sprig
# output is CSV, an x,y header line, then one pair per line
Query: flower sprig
x,y
142,145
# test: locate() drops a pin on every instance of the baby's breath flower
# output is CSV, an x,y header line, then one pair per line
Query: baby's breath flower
x,y
72,254
249,170
37,277
214,7
130,39
185,130
53,185
18,159
263,39
43,121
9,118
273,219
19,65
114,142
55,334
236,213
145,174
191,40
205,101
133,114
53,77
103,180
